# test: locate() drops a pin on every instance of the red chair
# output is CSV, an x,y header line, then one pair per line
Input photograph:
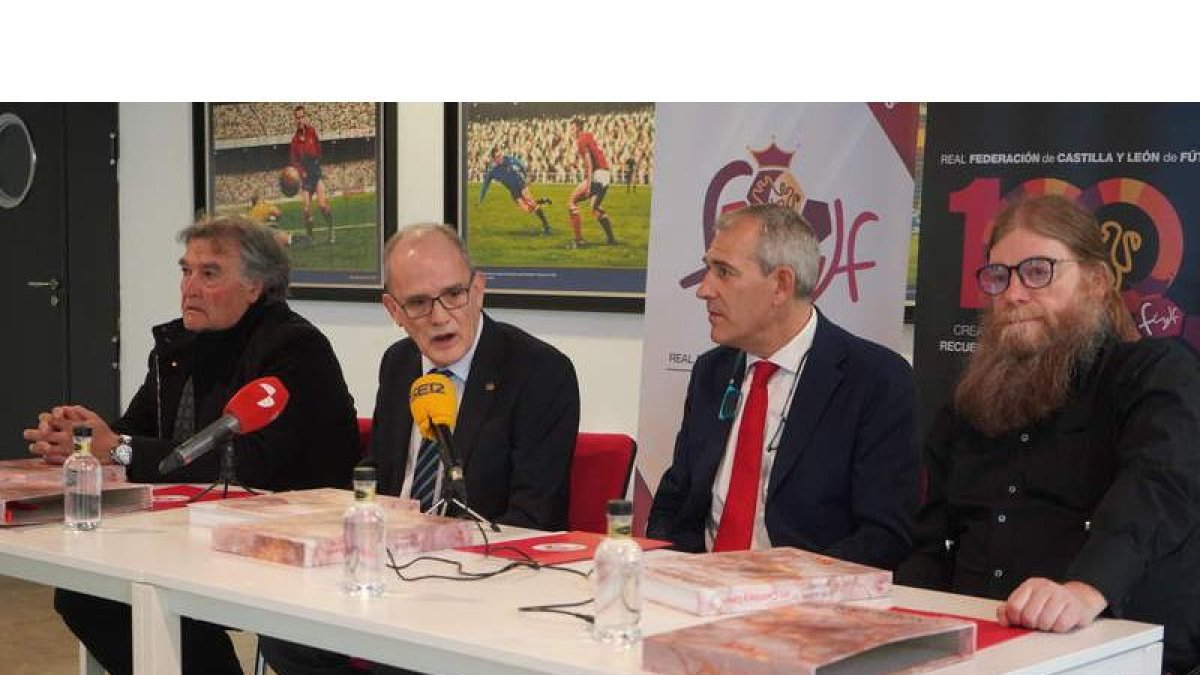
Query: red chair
x,y
364,435
600,471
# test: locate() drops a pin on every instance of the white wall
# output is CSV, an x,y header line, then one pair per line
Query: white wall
x,y
156,202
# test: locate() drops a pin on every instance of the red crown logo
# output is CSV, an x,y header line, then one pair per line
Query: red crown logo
x,y
773,155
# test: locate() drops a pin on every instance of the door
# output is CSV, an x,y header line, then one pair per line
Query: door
x,y
58,269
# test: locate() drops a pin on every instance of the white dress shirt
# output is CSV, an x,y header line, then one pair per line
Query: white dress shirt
x,y
790,359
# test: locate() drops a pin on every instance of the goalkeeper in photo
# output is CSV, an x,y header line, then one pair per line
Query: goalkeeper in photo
x,y
509,171
266,213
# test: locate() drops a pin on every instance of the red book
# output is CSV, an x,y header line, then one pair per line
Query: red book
x,y
809,639
740,581
555,549
312,539
313,503
31,491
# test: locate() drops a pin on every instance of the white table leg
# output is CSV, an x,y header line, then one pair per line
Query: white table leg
x,y
157,645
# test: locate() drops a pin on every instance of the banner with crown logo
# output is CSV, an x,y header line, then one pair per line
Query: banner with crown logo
x,y
848,168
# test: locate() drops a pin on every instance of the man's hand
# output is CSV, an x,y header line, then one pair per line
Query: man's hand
x,y
53,438
1045,605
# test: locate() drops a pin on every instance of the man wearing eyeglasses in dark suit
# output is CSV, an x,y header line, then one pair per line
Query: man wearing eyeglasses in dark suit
x,y
1064,478
518,403
795,432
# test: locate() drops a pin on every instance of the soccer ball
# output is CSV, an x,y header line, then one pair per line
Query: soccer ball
x,y
289,181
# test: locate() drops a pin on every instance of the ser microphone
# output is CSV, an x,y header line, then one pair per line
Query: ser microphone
x,y
433,403
253,407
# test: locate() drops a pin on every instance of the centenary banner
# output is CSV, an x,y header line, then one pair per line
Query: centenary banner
x,y
1133,165
846,167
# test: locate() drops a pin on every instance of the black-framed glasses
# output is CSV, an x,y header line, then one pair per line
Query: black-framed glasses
x,y
454,297
1035,272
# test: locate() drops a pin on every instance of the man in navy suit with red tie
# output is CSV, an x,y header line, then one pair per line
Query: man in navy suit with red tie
x,y
795,432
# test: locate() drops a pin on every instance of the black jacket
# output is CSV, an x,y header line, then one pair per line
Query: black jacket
x,y
1105,491
515,430
314,441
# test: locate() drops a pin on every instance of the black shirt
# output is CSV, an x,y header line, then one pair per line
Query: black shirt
x,y
1105,491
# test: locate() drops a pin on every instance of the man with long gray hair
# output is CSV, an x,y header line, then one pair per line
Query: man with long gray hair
x,y
795,432
235,327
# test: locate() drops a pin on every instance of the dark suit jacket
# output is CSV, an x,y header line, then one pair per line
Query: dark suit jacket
x,y
845,481
515,431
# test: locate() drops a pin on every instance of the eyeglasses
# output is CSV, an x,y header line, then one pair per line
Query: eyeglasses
x,y
1035,272
452,298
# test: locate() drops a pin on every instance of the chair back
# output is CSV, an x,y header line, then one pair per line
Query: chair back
x,y
364,435
600,471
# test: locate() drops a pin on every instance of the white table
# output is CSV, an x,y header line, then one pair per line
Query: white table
x,y
166,569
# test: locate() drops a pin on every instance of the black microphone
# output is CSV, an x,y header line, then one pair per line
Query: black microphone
x,y
455,486
253,407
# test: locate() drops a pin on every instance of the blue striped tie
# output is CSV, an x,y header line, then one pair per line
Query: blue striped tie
x,y
425,474
426,470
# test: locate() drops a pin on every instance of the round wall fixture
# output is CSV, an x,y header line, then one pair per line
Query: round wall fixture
x,y
18,160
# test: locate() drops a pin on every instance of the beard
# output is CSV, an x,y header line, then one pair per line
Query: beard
x,y
1026,362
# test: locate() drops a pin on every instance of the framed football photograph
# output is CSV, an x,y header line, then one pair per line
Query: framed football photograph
x,y
553,200
321,175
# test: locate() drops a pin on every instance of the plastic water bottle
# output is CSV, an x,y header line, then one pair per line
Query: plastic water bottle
x,y
362,533
81,484
617,580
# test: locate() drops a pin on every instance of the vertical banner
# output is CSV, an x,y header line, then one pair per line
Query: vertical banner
x,y
846,167
1133,165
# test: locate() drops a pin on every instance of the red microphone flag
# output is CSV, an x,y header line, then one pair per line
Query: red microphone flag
x,y
257,404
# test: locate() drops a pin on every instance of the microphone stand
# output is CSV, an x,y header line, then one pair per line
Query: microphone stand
x,y
226,475
454,492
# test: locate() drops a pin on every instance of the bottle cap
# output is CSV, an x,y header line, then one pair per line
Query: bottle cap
x,y
83,431
362,473
620,507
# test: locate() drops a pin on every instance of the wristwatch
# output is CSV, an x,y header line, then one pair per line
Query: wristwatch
x,y
122,452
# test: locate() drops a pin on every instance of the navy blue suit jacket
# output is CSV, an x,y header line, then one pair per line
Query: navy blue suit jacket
x,y
515,431
845,482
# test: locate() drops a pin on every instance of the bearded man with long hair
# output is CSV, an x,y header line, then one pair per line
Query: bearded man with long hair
x,y
1064,479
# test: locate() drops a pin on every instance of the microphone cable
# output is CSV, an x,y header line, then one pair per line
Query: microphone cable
x,y
467,575
462,574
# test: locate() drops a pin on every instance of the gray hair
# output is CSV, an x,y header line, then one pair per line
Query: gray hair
x,y
263,258
785,239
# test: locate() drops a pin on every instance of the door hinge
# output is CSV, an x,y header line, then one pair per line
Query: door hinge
x,y
113,148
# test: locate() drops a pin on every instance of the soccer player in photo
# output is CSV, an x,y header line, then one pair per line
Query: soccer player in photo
x,y
596,179
305,154
509,171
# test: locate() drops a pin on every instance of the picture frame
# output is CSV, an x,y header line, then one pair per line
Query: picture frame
x,y
327,190
513,171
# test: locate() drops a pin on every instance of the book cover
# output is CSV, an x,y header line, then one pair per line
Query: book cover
x,y
34,469
812,639
28,501
285,504
555,549
738,581
310,540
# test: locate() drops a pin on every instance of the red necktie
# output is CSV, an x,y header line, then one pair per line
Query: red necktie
x,y
737,518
